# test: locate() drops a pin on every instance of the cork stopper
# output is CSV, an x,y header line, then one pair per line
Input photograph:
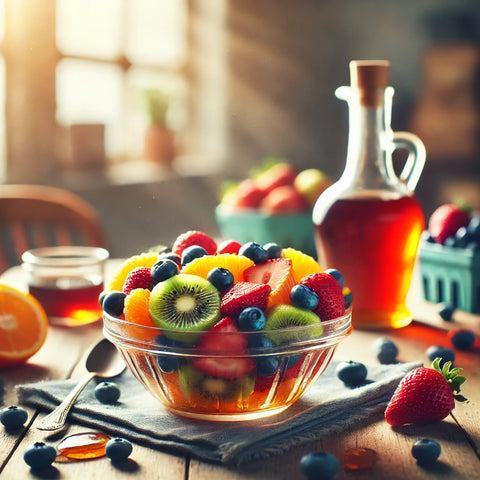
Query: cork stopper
x,y
371,78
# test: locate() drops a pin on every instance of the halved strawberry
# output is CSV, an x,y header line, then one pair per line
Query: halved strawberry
x,y
226,341
139,277
278,273
194,237
331,303
242,295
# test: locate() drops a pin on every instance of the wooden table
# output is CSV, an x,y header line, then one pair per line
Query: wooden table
x,y
459,434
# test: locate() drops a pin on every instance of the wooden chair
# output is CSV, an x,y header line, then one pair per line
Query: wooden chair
x,y
34,216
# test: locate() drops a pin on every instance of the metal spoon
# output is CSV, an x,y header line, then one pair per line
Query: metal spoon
x,y
104,361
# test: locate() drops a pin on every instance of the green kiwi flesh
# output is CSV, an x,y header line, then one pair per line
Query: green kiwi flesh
x,y
184,303
282,320
194,384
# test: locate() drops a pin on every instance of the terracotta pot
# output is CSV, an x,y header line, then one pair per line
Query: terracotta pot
x,y
160,145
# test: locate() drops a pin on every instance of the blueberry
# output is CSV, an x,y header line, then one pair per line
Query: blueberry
x,y
274,250
426,451
221,278
319,466
171,256
446,310
13,417
254,252
348,299
385,350
118,449
351,373
336,275
163,269
267,366
39,456
474,227
446,354
166,363
304,297
107,392
462,237
450,242
192,253
462,339
251,319
113,303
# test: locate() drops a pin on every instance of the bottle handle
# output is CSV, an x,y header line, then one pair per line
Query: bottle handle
x,y
416,157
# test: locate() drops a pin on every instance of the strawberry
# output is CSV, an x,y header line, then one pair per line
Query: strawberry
x,y
247,195
224,338
194,237
265,383
425,395
139,277
278,175
445,221
242,295
278,273
229,246
331,303
284,199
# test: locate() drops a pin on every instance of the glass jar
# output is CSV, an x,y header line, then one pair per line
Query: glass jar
x,y
67,281
368,224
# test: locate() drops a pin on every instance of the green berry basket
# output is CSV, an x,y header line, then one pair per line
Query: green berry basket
x,y
245,225
451,274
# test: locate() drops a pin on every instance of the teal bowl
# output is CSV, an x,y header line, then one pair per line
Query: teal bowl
x,y
246,225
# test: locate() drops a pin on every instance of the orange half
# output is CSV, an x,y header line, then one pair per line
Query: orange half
x,y
23,326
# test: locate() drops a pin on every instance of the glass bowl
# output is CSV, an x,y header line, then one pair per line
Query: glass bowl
x,y
282,364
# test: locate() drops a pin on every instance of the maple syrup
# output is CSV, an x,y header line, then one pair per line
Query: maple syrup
x,y
368,224
83,446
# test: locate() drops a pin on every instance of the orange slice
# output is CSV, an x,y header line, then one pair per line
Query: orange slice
x,y
23,326
136,312
303,264
237,264
142,260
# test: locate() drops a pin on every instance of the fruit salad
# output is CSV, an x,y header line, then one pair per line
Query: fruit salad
x,y
226,329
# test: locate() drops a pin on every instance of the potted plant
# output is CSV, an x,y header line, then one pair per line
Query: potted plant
x,y
159,138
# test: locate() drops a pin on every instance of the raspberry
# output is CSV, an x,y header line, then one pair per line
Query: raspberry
x,y
331,303
194,237
139,277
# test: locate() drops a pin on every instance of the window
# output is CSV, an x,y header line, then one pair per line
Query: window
x,y
111,52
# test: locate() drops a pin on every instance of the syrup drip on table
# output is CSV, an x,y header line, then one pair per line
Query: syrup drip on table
x,y
360,458
83,446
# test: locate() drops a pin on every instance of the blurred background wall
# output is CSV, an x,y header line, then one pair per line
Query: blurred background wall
x,y
240,79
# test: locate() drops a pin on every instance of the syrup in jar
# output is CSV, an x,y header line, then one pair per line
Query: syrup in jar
x,y
368,224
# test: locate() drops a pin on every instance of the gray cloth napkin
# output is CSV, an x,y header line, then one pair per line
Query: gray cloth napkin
x,y
328,407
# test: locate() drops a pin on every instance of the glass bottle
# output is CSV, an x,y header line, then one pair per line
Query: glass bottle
x,y
368,224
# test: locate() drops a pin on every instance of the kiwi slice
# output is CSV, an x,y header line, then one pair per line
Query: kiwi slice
x,y
184,303
282,320
195,384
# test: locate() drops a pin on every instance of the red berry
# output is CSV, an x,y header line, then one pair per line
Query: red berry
x,y
445,221
331,303
139,277
242,295
194,237
424,395
224,338
229,246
